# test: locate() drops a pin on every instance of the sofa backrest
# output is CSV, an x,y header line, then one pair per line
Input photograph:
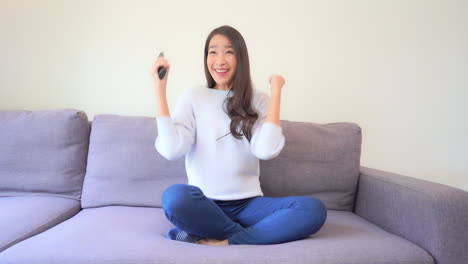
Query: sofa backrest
x,y
43,152
124,168
318,160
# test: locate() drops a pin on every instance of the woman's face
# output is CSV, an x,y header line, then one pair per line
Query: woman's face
x,y
221,61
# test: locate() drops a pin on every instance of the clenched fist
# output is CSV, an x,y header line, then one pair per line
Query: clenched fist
x,y
276,82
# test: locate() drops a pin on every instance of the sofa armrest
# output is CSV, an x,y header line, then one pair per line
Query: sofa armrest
x,y
431,215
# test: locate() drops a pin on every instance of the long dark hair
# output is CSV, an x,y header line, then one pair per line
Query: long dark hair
x,y
239,106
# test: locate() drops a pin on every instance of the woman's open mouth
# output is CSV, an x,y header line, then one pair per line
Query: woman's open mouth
x,y
221,72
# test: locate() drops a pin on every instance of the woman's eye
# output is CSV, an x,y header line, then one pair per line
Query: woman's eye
x,y
228,52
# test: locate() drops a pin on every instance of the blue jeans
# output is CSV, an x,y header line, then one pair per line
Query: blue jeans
x,y
255,220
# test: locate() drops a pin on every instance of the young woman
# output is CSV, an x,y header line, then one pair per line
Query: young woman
x,y
223,130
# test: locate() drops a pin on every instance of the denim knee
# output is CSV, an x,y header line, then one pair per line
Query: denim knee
x,y
316,212
176,196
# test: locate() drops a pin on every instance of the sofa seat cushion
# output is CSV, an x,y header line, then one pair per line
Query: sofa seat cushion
x,y
118,234
22,217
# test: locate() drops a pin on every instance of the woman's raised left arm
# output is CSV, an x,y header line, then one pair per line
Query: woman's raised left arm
x,y
268,139
276,82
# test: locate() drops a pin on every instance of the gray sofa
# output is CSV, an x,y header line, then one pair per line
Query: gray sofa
x,y
74,191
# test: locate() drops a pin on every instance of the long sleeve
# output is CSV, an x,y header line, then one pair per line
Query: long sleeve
x,y
227,169
176,134
267,139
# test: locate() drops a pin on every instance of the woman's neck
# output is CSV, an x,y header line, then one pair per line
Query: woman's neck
x,y
222,87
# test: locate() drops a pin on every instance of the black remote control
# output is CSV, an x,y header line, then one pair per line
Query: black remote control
x,y
161,70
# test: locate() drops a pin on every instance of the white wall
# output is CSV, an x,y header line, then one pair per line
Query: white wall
x,y
397,68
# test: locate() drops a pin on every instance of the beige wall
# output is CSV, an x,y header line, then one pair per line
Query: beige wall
x,y
397,68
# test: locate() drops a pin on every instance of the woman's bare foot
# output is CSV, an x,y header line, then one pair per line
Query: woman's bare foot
x,y
212,242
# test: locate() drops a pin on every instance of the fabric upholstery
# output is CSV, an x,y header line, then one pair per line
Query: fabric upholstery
x,y
432,215
318,160
22,217
43,152
127,235
124,167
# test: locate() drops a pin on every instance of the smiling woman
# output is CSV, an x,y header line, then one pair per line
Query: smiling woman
x,y
221,62
227,67
223,203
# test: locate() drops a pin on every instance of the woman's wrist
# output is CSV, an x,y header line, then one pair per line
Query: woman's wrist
x,y
275,91
160,89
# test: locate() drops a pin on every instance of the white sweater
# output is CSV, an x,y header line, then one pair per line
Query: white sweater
x,y
227,168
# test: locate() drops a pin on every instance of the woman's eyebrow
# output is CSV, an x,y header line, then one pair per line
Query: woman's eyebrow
x,y
215,46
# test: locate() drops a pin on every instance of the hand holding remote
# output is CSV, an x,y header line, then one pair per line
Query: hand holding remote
x,y
160,71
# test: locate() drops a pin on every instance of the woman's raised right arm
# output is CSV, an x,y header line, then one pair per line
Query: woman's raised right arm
x,y
176,132
161,99
160,86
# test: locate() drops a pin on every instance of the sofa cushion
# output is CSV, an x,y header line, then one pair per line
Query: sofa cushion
x,y
22,217
318,160
124,168
117,234
43,152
